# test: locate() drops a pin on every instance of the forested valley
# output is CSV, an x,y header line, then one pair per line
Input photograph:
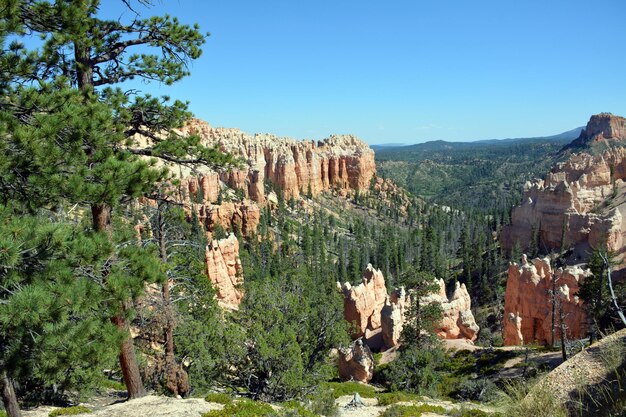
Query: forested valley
x,y
146,255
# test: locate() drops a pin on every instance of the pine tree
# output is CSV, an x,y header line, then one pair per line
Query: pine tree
x,y
106,140
54,326
420,320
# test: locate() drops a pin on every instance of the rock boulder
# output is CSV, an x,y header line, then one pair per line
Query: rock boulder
x,y
356,363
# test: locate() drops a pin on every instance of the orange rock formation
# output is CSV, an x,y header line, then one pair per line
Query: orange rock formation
x,y
602,127
458,321
566,208
223,268
339,162
356,363
364,302
528,302
379,317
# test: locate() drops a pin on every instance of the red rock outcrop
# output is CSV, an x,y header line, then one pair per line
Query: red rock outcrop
x,y
458,321
379,317
528,302
223,268
339,162
603,126
356,363
362,303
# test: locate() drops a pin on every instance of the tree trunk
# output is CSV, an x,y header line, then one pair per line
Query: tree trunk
x,y
101,218
176,379
620,312
553,309
84,70
128,360
9,399
562,330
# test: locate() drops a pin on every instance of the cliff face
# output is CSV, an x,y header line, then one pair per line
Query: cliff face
x,y
570,206
528,302
603,126
380,317
296,167
224,271
232,199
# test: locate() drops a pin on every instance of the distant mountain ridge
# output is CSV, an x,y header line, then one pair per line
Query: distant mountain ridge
x,y
434,145
487,175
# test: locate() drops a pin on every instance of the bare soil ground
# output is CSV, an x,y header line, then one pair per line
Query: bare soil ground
x,y
149,406
158,406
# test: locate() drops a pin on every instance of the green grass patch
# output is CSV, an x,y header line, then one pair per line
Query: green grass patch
x,y
218,397
350,388
471,412
243,408
69,411
389,398
295,409
412,410
3,413
112,384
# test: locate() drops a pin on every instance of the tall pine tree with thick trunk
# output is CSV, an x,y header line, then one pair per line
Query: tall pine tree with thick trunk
x,y
77,137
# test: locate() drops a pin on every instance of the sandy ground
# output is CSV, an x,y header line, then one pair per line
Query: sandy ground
x,y
149,406
158,406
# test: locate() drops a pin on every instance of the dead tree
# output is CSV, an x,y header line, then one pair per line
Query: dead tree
x,y
620,312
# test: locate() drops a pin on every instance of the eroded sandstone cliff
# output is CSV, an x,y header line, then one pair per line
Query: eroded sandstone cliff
x,y
340,162
601,127
579,203
528,302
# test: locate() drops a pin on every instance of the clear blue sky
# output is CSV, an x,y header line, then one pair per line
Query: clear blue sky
x,y
403,71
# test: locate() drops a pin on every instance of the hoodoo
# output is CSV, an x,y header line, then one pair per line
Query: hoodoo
x,y
379,317
528,304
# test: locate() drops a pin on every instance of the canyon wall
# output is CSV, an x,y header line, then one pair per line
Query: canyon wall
x,y
528,303
231,199
340,162
379,318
